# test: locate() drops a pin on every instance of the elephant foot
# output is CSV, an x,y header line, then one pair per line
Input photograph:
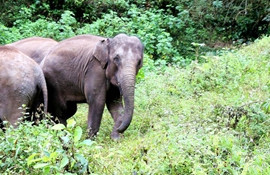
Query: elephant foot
x,y
115,136
62,121
91,135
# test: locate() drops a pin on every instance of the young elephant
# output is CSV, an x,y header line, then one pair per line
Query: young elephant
x,y
21,82
94,70
35,47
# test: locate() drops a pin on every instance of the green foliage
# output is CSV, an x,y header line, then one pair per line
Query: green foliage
x,y
46,149
62,29
210,118
225,19
167,28
213,115
148,26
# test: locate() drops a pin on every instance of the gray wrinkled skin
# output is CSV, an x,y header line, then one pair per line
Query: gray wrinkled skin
x,y
94,70
21,82
35,47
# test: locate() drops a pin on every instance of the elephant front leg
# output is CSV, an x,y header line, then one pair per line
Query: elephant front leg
x,y
95,111
115,107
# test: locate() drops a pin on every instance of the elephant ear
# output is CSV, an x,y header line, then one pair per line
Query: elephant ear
x,y
101,52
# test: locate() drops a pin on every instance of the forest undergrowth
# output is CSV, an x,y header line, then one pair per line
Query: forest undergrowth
x,y
209,118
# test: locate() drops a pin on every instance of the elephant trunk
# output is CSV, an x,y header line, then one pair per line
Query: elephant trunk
x,y
127,86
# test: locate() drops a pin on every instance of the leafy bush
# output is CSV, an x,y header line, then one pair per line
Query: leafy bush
x,y
168,28
237,20
45,149
148,26
62,29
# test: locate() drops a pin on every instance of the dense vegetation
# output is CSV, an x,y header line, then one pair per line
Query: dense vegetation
x,y
170,30
210,118
199,108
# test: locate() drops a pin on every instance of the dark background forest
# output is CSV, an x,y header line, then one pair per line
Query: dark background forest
x,y
170,30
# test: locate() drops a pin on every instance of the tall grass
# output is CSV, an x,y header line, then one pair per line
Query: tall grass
x,y
210,118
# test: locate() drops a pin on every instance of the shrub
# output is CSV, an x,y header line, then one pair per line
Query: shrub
x,y
148,26
62,29
45,148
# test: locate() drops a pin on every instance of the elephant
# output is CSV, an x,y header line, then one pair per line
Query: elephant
x,y
35,47
21,82
97,71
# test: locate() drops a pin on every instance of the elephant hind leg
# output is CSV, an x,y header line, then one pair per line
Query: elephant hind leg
x,y
56,106
1,124
64,111
58,112
11,113
71,109
36,110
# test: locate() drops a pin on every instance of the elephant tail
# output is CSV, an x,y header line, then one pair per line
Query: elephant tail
x,y
43,87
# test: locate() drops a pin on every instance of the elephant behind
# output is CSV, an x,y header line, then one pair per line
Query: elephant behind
x,y
21,82
35,47
94,70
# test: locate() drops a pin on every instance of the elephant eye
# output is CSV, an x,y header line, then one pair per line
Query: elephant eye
x,y
116,60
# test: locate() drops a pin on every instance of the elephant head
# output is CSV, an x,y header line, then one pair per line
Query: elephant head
x,y
122,57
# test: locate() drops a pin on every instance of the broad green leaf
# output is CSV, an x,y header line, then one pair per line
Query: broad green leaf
x,y
71,123
58,127
81,159
86,142
65,139
64,161
40,165
31,159
53,156
77,134
46,170
46,159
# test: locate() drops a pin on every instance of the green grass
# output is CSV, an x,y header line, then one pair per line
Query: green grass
x,y
210,118
185,120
